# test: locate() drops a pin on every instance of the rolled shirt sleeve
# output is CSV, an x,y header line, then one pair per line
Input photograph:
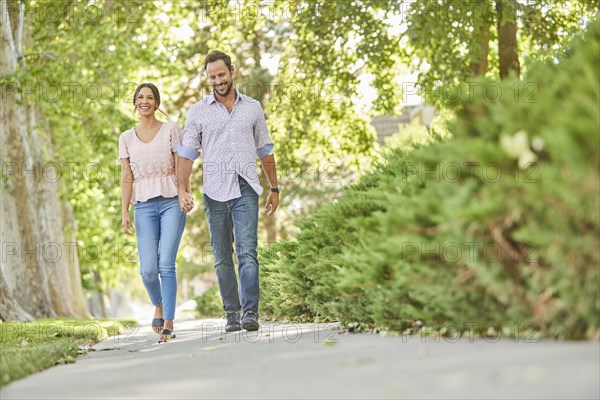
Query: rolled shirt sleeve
x,y
266,150
188,153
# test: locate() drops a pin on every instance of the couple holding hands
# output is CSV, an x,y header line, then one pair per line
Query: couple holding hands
x,y
229,129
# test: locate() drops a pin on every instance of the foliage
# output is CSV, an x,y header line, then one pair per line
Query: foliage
x,y
26,348
312,115
410,136
445,39
79,73
495,228
209,303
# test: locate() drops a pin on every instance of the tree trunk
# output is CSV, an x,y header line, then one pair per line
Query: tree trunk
x,y
34,273
507,38
96,302
480,47
21,270
72,260
10,310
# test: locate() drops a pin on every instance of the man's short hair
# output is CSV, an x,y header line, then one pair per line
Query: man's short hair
x,y
217,55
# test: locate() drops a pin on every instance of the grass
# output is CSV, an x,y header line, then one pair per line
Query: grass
x,y
30,347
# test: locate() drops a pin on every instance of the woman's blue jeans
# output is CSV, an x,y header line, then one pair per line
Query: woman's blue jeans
x,y
237,220
159,224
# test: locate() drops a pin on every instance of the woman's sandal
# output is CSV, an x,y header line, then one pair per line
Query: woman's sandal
x,y
165,335
158,323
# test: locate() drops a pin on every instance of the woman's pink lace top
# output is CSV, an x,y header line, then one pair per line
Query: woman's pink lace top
x,y
152,163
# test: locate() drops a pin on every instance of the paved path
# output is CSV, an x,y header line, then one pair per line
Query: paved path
x,y
301,361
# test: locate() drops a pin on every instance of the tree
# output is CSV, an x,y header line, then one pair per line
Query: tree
x,y
36,276
449,41
72,90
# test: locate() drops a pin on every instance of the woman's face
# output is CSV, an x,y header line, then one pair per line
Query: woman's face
x,y
145,102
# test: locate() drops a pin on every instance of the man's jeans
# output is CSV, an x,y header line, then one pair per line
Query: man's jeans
x,y
159,224
240,217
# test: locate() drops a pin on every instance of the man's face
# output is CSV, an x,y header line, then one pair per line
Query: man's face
x,y
221,78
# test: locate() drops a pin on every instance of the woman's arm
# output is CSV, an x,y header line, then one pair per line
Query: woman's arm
x,y
126,192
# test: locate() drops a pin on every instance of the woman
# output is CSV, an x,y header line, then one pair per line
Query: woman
x,y
148,158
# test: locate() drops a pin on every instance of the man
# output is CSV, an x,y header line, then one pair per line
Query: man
x,y
230,130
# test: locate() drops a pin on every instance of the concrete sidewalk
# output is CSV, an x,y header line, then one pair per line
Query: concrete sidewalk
x,y
310,361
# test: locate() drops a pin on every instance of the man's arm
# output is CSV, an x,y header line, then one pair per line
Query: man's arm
x,y
268,165
264,151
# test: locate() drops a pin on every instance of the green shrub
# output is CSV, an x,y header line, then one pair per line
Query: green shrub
x,y
209,303
497,227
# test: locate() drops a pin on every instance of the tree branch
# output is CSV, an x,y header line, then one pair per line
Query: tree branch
x,y
46,54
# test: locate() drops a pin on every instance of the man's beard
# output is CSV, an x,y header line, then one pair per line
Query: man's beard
x,y
227,90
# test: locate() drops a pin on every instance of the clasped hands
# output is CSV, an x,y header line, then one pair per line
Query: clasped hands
x,y
186,201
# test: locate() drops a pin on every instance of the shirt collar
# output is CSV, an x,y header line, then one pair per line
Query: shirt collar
x,y
211,97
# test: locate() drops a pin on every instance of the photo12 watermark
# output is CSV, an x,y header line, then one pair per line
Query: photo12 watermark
x,y
469,171
488,92
452,252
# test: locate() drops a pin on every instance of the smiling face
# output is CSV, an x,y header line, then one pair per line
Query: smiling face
x,y
145,102
220,77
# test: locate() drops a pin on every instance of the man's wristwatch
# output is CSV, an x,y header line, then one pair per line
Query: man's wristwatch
x,y
275,189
